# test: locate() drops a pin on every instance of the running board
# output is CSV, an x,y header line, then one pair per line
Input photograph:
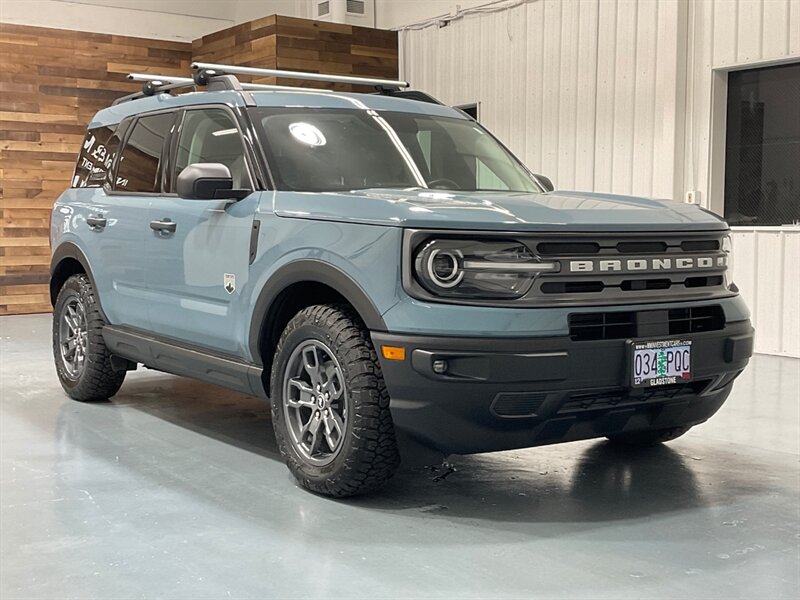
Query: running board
x,y
172,357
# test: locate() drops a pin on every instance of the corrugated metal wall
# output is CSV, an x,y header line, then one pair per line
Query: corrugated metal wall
x,y
572,87
765,267
624,96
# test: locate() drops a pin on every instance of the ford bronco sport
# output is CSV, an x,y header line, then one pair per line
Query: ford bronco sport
x,y
387,273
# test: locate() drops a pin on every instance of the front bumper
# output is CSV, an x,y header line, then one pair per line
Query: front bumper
x,y
505,393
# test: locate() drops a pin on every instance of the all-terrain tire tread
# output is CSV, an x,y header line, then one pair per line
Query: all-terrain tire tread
x,y
374,456
99,381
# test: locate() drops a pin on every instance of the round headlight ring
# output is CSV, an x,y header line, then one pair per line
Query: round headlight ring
x,y
455,272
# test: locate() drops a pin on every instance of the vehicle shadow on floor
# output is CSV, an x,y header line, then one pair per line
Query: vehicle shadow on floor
x,y
589,481
230,417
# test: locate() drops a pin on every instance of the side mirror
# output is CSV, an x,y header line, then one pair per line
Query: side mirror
x,y
208,181
544,182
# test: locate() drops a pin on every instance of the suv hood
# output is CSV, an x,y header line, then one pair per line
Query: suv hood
x,y
497,211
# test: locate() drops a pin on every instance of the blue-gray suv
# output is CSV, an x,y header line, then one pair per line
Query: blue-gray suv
x,y
387,273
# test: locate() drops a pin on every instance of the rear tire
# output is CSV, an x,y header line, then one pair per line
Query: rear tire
x,y
642,439
83,363
330,407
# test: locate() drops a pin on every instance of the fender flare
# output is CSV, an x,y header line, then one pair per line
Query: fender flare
x,y
317,271
69,250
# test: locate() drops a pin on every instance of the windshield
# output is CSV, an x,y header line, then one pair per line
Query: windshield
x,y
322,150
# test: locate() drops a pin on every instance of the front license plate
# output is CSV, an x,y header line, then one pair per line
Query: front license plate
x,y
661,362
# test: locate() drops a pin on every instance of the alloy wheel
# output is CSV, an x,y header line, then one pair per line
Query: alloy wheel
x,y
315,402
73,337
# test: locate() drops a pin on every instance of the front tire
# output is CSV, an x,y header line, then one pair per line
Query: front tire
x,y
83,363
643,439
330,407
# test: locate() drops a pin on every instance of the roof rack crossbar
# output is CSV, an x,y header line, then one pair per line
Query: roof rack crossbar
x,y
214,68
164,79
154,84
163,83
216,76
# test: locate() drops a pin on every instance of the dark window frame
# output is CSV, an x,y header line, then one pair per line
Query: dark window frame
x,y
128,124
170,176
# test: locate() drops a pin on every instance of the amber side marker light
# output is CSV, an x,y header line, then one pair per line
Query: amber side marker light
x,y
393,352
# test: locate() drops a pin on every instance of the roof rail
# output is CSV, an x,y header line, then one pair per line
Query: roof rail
x,y
212,69
154,84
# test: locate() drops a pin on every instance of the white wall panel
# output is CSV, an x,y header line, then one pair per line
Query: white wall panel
x,y
586,95
606,40
396,13
572,87
765,267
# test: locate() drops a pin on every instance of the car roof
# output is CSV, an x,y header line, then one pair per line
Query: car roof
x,y
273,98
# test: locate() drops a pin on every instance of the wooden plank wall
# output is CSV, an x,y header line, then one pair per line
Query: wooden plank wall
x,y
52,81
279,42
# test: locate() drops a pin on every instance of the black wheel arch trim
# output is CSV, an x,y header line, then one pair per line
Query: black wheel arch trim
x,y
316,271
70,250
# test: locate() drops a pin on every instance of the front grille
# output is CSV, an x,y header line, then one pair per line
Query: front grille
x,y
655,247
628,285
567,248
696,319
621,267
602,326
572,287
597,400
652,323
700,245
634,246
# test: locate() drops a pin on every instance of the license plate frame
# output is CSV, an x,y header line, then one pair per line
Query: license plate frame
x,y
669,370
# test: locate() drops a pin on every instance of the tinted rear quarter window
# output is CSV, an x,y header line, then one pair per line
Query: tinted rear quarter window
x,y
96,157
139,163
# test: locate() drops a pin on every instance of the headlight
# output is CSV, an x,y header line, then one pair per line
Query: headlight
x,y
478,269
727,248
727,245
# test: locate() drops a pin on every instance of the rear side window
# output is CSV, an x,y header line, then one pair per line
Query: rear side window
x,y
139,162
96,157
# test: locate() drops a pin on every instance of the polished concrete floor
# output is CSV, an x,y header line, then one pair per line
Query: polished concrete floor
x,y
175,490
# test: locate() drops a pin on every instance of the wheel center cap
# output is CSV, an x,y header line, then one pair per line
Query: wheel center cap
x,y
321,401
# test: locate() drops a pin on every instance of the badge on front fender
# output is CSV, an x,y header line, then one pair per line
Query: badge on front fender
x,y
229,282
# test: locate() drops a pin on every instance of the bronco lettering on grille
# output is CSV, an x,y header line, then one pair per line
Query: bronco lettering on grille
x,y
648,264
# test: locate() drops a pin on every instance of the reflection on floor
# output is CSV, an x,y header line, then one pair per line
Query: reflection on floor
x,y
174,489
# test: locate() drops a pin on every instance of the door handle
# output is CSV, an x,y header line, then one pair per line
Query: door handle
x,y
164,226
96,222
